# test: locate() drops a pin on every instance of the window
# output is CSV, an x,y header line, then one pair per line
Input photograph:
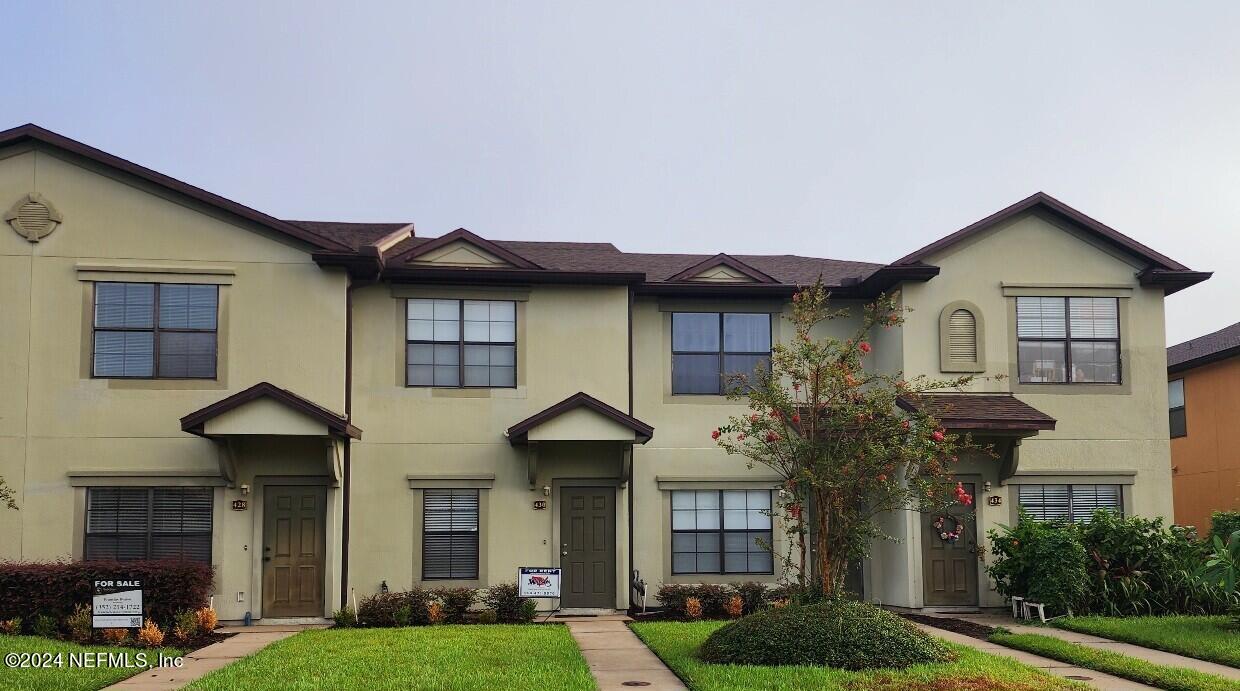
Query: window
x,y
718,531
1068,340
154,331
1075,503
127,523
449,534
1175,406
708,347
461,343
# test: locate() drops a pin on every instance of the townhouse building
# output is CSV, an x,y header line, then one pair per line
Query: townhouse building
x,y
320,408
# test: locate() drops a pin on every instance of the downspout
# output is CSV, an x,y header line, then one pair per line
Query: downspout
x,y
632,459
348,415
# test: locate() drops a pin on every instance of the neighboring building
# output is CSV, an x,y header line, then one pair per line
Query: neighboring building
x,y
1203,392
316,406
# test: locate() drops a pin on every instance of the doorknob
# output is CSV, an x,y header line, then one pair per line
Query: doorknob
x,y
563,554
266,558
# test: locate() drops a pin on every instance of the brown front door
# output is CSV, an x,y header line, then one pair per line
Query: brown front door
x,y
949,569
588,547
294,551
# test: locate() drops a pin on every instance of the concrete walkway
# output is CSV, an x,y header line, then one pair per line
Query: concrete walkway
x,y
1095,679
1157,657
616,655
247,641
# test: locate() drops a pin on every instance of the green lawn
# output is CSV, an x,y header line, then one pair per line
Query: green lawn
x,y
67,676
1205,638
1161,676
677,643
534,657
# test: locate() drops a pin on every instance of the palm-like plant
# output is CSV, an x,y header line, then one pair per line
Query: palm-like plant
x,y
1222,569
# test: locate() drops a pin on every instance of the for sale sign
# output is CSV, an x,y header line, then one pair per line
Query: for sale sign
x,y
534,581
117,604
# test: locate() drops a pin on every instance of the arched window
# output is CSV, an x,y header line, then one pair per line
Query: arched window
x,y
960,338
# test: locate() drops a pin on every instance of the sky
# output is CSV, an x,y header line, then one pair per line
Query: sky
x,y
846,130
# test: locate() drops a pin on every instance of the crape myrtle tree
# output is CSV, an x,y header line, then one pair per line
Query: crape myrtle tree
x,y
834,432
6,495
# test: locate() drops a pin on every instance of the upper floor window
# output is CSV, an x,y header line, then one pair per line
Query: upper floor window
x,y
1070,340
708,347
1175,408
1075,503
155,331
461,343
128,523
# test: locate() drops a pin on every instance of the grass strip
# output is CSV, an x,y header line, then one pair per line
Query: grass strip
x,y
1206,638
55,669
1131,668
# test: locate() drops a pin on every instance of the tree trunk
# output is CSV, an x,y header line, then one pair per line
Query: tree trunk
x,y
822,541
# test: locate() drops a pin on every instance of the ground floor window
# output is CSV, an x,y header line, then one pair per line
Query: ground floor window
x,y
449,534
1075,503
721,531
128,523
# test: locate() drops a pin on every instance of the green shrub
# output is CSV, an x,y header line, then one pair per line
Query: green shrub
x,y
844,634
529,610
11,627
487,616
503,598
345,617
754,595
80,624
394,609
1044,562
1224,523
185,625
456,602
44,625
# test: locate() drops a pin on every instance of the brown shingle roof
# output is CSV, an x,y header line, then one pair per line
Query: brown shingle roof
x,y
354,235
981,411
1205,349
788,269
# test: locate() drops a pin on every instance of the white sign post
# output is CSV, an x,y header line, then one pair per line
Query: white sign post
x,y
533,581
117,604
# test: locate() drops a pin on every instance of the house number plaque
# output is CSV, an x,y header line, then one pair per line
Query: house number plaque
x,y
240,504
540,504
994,501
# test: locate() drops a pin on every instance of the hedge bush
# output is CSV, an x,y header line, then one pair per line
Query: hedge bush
x,y
456,602
1224,523
844,634
1112,565
714,598
510,608
394,609
54,589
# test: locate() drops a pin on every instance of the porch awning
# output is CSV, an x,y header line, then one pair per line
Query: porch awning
x,y
267,409
981,412
580,417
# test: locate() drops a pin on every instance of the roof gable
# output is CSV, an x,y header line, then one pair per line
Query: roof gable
x,y
197,421
569,411
722,268
461,248
30,133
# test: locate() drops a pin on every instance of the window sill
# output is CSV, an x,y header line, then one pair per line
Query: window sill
x,y
702,399
163,384
1122,388
726,578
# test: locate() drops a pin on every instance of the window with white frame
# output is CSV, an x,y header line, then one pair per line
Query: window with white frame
x,y
130,523
1068,340
1075,503
449,534
461,343
721,531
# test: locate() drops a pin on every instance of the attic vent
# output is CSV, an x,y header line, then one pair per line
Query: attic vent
x,y
962,337
33,217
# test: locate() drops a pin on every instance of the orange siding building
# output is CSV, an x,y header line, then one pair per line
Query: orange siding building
x,y
1204,379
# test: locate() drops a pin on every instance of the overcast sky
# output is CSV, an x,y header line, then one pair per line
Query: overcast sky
x,y
852,131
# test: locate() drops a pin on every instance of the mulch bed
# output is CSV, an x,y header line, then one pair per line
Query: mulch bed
x,y
960,626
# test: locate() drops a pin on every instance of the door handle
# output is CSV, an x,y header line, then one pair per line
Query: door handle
x,y
266,558
563,554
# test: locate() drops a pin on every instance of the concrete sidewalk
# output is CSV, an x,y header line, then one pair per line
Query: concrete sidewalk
x,y
1098,680
1157,657
247,641
616,655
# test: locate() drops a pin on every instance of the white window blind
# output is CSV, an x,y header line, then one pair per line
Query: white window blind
x,y
128,523
450,534
1075,503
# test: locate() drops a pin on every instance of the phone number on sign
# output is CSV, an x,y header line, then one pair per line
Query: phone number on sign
x,y
90,660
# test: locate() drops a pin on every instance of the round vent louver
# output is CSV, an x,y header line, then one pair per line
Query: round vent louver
x,y
33,217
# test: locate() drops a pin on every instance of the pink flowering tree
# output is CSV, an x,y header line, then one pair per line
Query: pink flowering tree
x,y
833,430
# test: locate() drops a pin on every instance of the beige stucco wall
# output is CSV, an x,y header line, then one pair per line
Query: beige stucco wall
x,y
281,320
1100,429
569,339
